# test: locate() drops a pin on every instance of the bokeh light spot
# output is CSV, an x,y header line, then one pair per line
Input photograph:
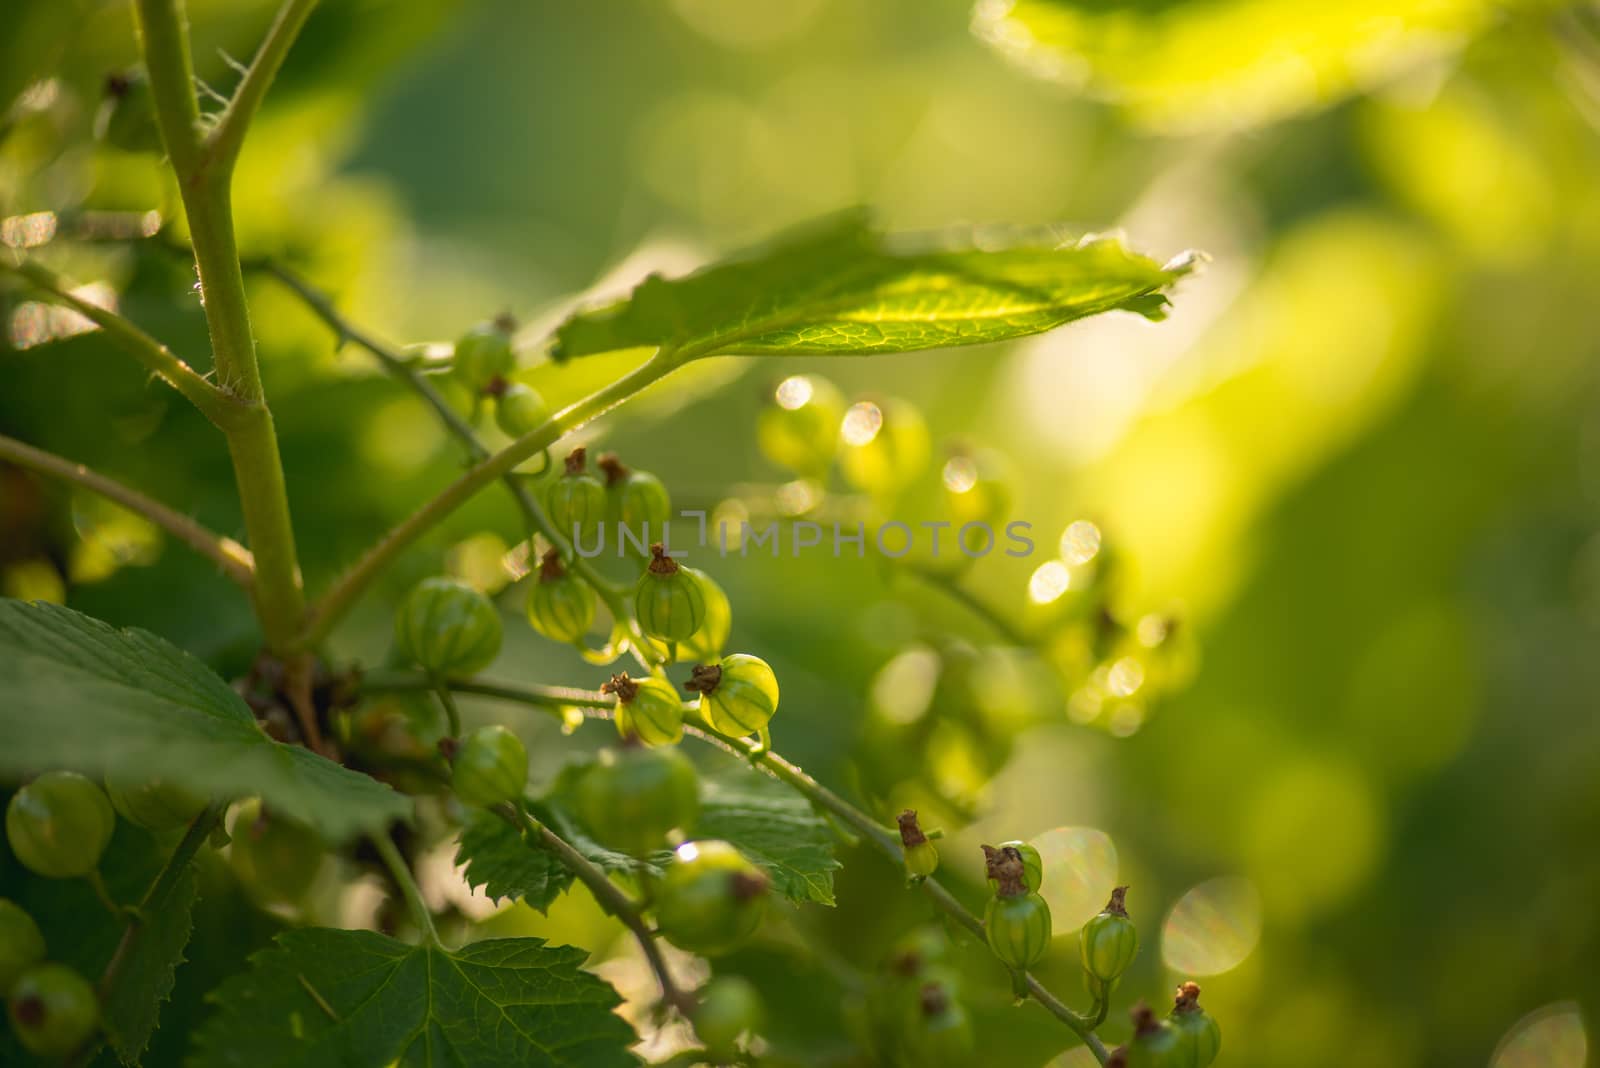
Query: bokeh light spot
x,y
794,392
904,686
1080,543
861,423
1213,927
960,474
1049,582
1080,871
1551,1037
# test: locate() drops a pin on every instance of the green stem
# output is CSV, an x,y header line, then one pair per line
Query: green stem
x,y
420,913
234,559
451,714
227,137
339,599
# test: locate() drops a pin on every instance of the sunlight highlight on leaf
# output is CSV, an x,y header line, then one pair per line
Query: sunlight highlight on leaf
x,y
1213,927
1080,871
1551,1037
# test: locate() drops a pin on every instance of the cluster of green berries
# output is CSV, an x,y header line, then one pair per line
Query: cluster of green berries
x,y
1187,1038
914,1013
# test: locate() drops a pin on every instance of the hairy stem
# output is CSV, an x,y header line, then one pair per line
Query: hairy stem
x,y
338,600
227,137
234,559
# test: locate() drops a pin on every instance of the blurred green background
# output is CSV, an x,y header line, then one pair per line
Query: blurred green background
x,y
1361,461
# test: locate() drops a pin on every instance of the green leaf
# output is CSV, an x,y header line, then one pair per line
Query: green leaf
x,y
1193,65
842,287
355,999
500,860
77,693
133,1005
776,828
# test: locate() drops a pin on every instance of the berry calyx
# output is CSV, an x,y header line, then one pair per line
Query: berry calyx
x,y
1199,1036
738,695
59,824
706,644
669,601
153,804
711,898
648,709
490,767
633,797
274,857
21,943
518,409
53,1010
560,605
576,501
1023,853
448,627
637,500
484,353
729,1008
1109,941
921,856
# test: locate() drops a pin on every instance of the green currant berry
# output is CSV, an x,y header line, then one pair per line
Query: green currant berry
x,y
729,1008
153,804
519,409
491,766
53,1010
1032,865
633,797
885,445
1199,1037
921,856
576,501
636,499
648,709
939,1033
738,695
711,898
484,354
1018,928
21,944
59,824
275,857
669,601
560,606
800,429
706,644
1155,1044
1109,941
127,115
449,628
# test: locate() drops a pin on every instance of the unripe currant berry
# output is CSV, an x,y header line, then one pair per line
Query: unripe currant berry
x,y
800,428
1154,1044
1025,854
669,601
21,944
939,1033
711,898
633,797
647,709
1199,1037
1018,928
53,1010
921,855
560,606
519,409
576,501
885,445
449,628
491,766
1109,941
729,1008
153,804
59,824
275,857
706,644
738,695
484,353
127,115
636,499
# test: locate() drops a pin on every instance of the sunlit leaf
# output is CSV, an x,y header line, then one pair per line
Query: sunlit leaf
x,y
843,287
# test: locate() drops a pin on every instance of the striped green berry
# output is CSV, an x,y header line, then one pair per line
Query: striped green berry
x,y
738,695
669,600
1109,941
449,628
648,709
560,605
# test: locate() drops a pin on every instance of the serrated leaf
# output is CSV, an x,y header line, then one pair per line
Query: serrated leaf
x,y
1190,65
132,1008
78,693
843,287
355,999
499,859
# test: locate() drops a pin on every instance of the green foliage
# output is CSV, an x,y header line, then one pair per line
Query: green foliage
x,y
355,999
843,287
84,695
149,967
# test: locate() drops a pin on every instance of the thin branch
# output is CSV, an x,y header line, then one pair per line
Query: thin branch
x,y
396,864
221,408
607,894
164,38
227,137
597,706
234,559
951,587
